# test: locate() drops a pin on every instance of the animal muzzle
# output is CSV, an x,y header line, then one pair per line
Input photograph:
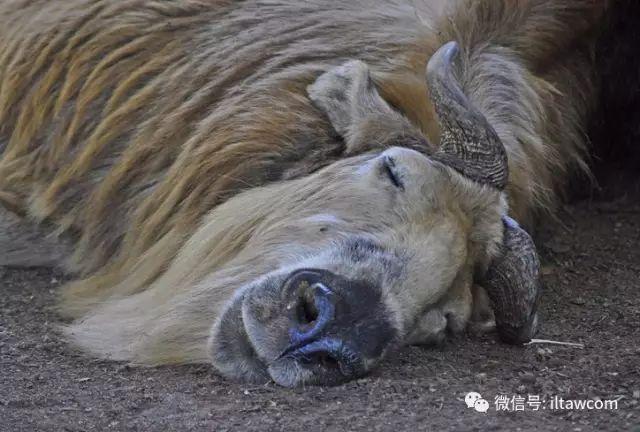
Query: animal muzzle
x,y
338,329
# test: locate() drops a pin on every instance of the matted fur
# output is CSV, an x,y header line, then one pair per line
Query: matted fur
x,y
124,122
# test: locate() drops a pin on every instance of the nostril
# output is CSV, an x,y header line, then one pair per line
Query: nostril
x,y
311,312
331,356
328,361
322,358
306,310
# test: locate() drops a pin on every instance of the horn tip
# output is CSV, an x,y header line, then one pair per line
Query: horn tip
x,y
451,49
440,62
510,222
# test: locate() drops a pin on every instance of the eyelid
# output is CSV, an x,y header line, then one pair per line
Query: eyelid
x,y
388,169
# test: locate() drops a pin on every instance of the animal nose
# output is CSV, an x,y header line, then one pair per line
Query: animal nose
x,y
312,310
318,338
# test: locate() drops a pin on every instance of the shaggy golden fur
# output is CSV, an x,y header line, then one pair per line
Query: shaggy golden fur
x,y
124,122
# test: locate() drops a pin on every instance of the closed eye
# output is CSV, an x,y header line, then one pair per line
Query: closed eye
x,y
389,169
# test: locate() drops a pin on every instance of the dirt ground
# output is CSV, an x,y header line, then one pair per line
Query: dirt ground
x,y
592,297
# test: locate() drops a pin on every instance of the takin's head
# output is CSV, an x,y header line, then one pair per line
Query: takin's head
x,y
379,250
313,280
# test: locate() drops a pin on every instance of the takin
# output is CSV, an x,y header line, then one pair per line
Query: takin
x,y
288,190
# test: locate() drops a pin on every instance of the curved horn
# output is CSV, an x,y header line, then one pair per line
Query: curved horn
x,y
513,285
468,143
471,146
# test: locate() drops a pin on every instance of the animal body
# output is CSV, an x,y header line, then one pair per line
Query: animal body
x,y
282,188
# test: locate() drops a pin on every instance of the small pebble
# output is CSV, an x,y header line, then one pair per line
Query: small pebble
x,y
578,301
544,351
547,270
560,248
527,378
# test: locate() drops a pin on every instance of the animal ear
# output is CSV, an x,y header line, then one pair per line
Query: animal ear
x,y
357,112
513,284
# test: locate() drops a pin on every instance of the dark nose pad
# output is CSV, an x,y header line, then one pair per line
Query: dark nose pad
x,y
312,313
